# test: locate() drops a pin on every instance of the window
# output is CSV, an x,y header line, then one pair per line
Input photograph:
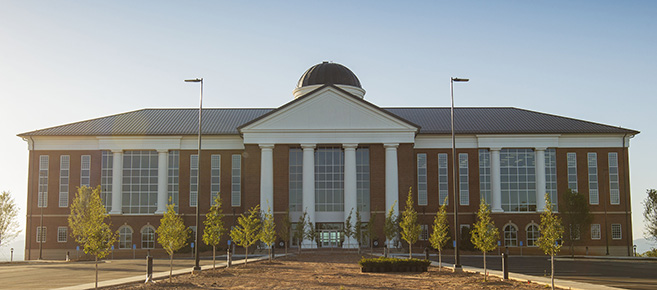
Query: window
x,y
106,161
140,182
532,235
484,175
85,170
443,179
464,187
43,181
125,238
616,233
41,234
614,193
329,179
595,231
575,232
572,170
296,180
518,180
215,170
422,179
62,234
148,238
64,167
363,179
173,177
193,180
424,233
593,178
551,177
236,180
510,236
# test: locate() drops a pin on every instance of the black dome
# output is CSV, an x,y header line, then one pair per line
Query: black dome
x,y
328,73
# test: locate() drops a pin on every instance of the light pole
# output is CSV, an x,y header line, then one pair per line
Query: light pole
x,y
197,268
457,235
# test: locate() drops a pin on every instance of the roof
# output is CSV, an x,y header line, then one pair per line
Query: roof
x,y
484,120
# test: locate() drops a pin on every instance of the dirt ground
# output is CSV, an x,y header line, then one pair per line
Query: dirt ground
x,y
326,270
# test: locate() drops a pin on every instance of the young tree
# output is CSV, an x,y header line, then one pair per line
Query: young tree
x,y
268,233
390,228
551,232
650,214
247,231
358,229
88,226
347,230
440,234
172,234
576,214
214,227
311,232
485,234
8,224
371,229
410,228
300,230
285,230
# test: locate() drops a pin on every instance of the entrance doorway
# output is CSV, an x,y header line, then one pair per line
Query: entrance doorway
x,y
330,235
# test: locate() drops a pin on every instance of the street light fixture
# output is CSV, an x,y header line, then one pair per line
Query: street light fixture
x,y
457,236
197,268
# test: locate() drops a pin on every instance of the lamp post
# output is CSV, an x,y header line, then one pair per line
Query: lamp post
x,y
197,268
457,235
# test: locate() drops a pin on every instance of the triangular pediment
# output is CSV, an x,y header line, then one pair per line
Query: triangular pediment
x,y
329,109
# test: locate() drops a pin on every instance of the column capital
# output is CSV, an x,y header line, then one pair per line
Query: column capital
x,y
162,150
540,148
391,145
350,146
495,149
117,150
266,146
308,145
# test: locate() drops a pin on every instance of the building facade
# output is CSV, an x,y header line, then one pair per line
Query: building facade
x,y
329,152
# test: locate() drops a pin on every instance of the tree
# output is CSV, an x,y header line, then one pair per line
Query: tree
x,y
358,229
371,230
247,231
551,232
9,227
410,228
440,234
311,232
485,234
347,230
172,234
88,226
285,230
213,228
268,233
300,230
576,214
390,228
650,214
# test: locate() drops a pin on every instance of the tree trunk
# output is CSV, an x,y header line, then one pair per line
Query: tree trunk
x,y
96,262
170,266
552,266
246,255
286,248
485,272
410,251
214,255
440,259
270,253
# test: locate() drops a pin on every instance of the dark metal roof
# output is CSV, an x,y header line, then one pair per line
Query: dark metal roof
x,y
328,73
431,121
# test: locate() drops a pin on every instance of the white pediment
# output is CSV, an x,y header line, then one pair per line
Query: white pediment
x,y
329,114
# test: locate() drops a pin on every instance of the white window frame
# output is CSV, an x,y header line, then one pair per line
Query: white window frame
x,y
594,194
64,180
614,186
464,185
41,232
236,180
511,237
443,179
125,237
596,232
616,232
484,176
422,185
571,158
215,177
62,234
536,233
145,236
85,170
44,163
424,232
193,180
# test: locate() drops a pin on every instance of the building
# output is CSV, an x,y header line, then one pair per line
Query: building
x,y
329,152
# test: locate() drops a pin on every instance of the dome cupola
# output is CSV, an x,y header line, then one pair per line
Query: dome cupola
x,y
328,73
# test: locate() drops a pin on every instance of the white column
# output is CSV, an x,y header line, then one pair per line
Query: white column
x,y
266,177
162,180
350,189
392,179
540,179
309,187
496,186
117,182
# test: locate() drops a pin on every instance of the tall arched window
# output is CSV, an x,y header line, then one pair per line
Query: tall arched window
x,y
510,236
125,238
148,237
532,235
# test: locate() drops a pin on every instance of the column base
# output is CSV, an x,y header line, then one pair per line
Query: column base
x,y
115,212
497,210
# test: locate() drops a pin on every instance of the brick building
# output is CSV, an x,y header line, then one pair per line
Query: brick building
x,y
328,152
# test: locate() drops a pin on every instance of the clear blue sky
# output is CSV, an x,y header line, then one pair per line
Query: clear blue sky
x,y
66,61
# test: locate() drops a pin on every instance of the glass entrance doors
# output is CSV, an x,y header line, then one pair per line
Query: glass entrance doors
x,y
329,238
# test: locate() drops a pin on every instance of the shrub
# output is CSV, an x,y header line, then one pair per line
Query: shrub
x,y
389,263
